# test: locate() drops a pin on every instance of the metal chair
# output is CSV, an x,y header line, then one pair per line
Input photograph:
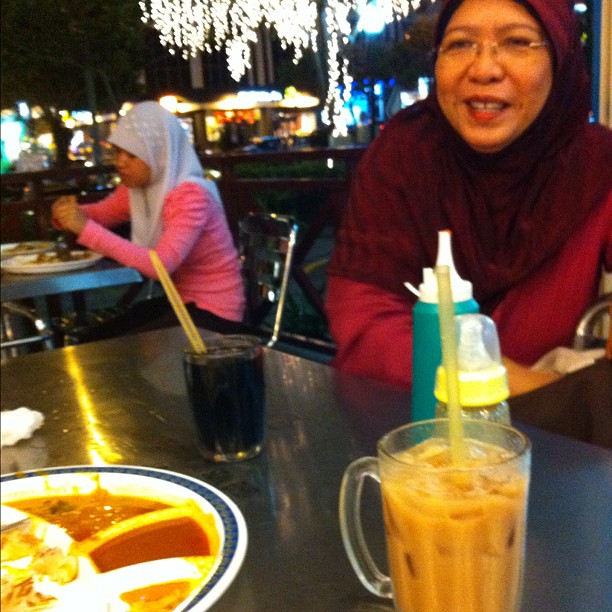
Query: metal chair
x,y
21,329
266,243
593,328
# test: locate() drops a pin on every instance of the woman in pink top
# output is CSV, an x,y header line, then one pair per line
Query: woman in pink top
x,y
173,209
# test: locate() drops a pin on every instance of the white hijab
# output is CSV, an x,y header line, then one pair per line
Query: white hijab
x,y
156,136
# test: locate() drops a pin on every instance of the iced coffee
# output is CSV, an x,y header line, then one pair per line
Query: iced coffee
x,y
454,522
455,536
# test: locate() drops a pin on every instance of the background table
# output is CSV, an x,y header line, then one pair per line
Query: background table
x,y
50,287
123,401
104,273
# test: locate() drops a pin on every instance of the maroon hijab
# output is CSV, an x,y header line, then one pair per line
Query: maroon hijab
x,y
509,211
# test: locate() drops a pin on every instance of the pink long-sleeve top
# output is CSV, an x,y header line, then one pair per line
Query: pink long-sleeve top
x,y
195,246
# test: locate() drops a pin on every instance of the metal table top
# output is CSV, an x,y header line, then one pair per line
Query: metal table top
x,y
123,401
105,273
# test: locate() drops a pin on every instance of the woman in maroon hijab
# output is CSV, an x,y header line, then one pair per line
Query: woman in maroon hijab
x,y
502,153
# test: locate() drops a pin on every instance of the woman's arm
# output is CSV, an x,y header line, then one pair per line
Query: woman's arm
x,y
112,210
372,329
184,218
68,214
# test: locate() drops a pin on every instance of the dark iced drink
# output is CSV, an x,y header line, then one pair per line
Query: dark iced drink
x,y
226,391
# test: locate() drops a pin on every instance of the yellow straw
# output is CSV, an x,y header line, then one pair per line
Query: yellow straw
x,y
448,335
186,321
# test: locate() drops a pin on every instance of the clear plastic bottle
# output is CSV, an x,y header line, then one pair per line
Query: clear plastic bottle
x,y
483,380
426,345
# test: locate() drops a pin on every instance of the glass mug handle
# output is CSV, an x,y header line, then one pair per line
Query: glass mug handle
x,y
350,526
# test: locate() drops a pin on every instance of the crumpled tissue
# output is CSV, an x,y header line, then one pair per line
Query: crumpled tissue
x,y
564,360
19,424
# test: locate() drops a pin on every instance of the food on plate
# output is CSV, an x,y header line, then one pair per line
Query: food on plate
x,y
184,531
157,598
25,247
85,514
51,257
166,596
111,531
30,566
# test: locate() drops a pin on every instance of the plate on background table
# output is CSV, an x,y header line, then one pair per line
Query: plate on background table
x,y
46,263
34,247
69,487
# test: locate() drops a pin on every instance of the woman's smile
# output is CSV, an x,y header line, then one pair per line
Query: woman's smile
x,y
486,109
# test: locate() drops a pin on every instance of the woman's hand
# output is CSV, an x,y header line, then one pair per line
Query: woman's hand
x,y
522,379
67,215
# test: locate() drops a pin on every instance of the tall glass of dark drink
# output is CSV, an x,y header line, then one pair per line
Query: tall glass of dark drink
x,y
226,390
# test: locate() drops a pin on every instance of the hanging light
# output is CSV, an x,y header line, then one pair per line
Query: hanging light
x,y
191,26
203,25
371,19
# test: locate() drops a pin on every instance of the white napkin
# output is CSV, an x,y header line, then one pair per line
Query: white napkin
x,y
19,424
564,360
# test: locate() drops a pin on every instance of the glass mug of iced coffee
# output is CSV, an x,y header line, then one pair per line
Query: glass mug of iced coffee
x,y
455,532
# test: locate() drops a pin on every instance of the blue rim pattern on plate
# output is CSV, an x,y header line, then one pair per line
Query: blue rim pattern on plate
x,y
226,513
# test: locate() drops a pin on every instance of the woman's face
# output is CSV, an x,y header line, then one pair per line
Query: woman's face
x,y
489,94
132,170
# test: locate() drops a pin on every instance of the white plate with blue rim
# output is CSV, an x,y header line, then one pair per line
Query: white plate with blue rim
x,y
170,488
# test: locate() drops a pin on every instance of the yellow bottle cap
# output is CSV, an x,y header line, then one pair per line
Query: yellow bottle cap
x,y
483,379
480,388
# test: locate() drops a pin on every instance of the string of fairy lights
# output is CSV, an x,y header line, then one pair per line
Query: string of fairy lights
x,y
193,26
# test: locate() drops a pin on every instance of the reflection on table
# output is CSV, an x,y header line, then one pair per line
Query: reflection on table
x,y
123,401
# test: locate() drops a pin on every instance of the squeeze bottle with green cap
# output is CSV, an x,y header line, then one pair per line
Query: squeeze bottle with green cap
x,y
426,344
483,380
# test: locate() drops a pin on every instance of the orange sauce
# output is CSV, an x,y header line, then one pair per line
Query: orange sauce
x,y
159,597
83,515
178,537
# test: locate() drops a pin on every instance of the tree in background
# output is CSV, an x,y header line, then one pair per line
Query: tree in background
x,y
378,58
71,54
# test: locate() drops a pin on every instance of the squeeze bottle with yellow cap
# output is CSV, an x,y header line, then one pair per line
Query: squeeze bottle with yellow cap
x,y
426,345
483,380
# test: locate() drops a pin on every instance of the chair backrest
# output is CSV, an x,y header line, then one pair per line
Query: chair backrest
x,y
266,243
594,326
20,329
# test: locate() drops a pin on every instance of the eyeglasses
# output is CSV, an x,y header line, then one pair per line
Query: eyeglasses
x,y
464,49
